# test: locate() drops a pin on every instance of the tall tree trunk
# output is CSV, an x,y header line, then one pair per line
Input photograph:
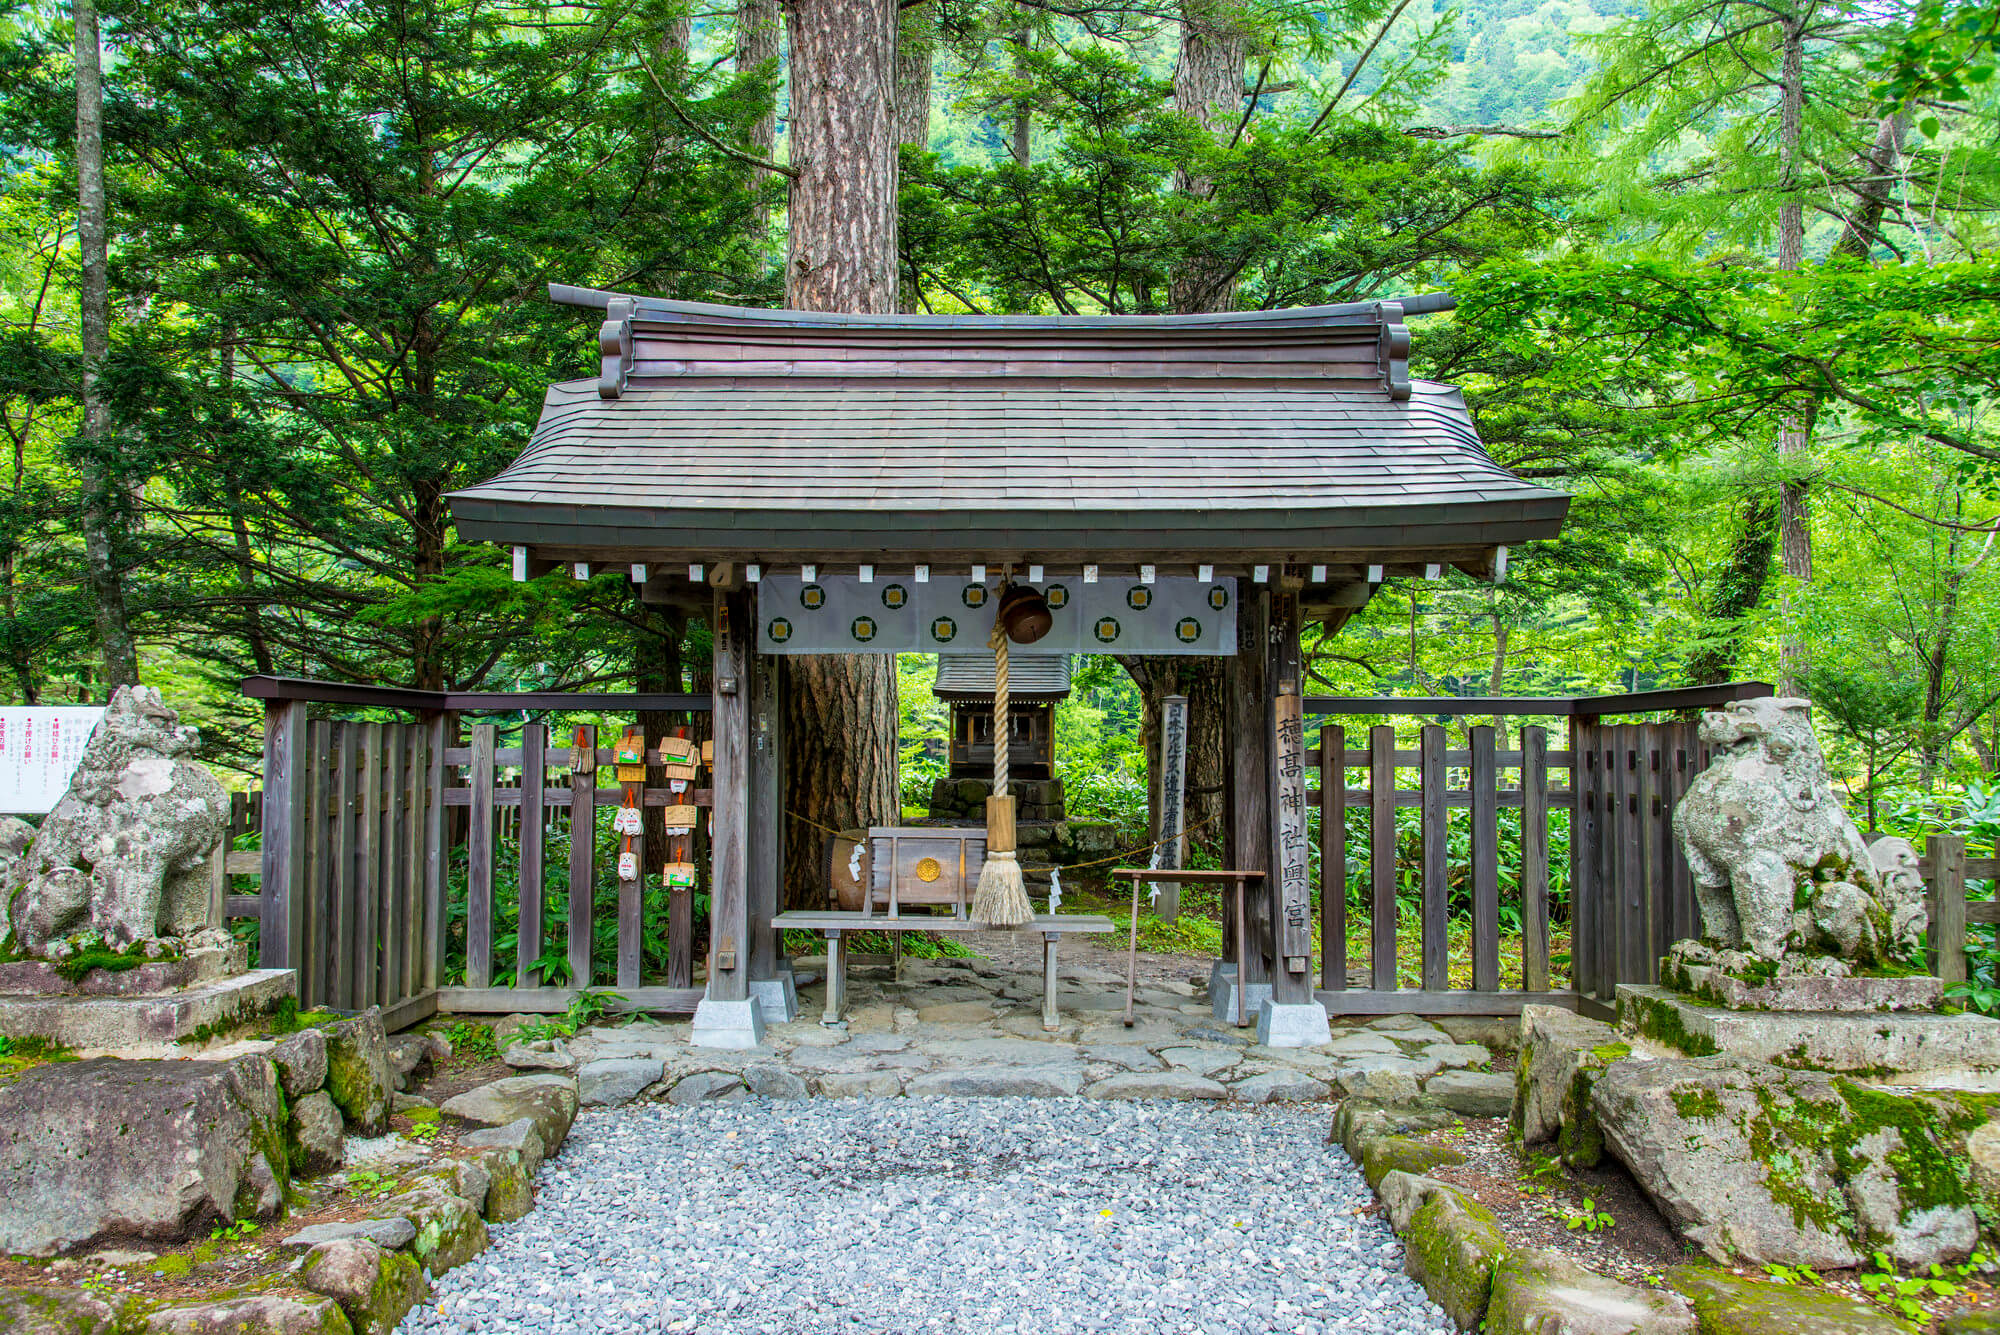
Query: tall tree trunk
x,y
1737,590
840,710
841,252
916,43
1795,427
1021,142
1208,86
1878,166
101,501
759,31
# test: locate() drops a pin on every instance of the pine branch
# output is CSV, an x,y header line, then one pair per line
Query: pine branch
x,y
673,105
1460,131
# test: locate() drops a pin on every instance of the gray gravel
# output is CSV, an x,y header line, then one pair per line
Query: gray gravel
x,y
996,1216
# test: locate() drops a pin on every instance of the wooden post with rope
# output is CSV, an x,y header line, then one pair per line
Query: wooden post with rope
x,y
1002,897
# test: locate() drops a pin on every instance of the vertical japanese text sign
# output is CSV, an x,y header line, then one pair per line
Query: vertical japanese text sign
x,y
1173,790
1294,869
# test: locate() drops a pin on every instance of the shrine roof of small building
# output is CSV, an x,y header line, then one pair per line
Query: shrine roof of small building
x,y
968,678
717,433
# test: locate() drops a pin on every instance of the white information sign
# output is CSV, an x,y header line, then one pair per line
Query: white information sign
x,y
39,751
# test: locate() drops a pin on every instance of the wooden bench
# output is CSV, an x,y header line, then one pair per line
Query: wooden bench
x,y
834,926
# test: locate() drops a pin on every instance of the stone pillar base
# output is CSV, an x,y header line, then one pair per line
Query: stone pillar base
x,y
777,998
727,1024
1222,994
1295,1024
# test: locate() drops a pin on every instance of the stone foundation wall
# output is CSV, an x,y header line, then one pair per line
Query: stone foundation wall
x,y
965,799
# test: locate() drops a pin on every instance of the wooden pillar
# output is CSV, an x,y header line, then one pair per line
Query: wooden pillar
x,y
281,917
1249,766
735,622
1288,888
766,813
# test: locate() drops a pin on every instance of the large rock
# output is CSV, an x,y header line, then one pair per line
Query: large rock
x,y
1451,1248
610,1081
1471,1093
510,1190
1382,1155
374,1287
1779,869
125,851
1727,1304
357,1072
1157,1085
389,1233
1562,1054
137,1149
521,1136
1758,1164
410,1058
550,1100
56,1311
449,1229
1357,1121
314,1139
301,1060
255,1314
1035,1082
1545,1293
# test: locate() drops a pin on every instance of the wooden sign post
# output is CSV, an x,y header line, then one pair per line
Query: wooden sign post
x,y
1294,870
1173,801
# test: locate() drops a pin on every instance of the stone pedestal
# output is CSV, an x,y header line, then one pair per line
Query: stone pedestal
x,y
777,998
1222,994
728,1024
1807,992
1892,1046
99,1021
1298,1024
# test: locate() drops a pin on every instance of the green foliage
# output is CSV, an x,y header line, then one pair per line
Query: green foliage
x,y
471,1040
1588,1218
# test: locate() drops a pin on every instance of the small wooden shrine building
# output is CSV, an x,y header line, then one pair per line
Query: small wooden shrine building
x,y
824,483
1036,684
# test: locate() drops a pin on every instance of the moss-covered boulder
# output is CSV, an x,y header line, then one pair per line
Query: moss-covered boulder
x,y
549,1100
314,1138
1979,1321
1357,1120
1562,1054
510,1191
1539,1292
1727,1304
1451,1248
449,1229
1759,1164
251,1314
57,1311
374,1287
357,1072
1382,1155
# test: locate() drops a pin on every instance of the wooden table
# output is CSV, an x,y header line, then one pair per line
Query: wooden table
x,y
1229,879
834,926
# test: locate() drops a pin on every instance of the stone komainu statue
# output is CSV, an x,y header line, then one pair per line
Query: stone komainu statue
x,y
125,852
1779,868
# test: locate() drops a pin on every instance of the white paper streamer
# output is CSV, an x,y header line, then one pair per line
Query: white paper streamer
x,y
854,863
1055,888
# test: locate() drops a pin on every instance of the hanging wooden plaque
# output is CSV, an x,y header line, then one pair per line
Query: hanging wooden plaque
x,y
679,818
678,875
708,754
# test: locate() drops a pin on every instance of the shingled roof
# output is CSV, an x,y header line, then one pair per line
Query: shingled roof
x,y
716,433
1030,677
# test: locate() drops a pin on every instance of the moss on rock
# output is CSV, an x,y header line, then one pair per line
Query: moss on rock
x,y
1381,1155
1726,1304
1451,1248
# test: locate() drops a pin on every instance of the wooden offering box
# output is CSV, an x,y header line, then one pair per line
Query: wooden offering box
x,y
921,865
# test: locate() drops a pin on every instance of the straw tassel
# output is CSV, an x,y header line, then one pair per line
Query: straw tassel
x,y
1002,897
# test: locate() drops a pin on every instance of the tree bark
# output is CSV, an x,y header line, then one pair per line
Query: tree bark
x,y
1795,427
841,253
840,710
1208,86
759,28
101,503
916,41
1021,142
1737,590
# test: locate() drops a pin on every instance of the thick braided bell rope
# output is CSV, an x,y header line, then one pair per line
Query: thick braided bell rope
x,y
998,643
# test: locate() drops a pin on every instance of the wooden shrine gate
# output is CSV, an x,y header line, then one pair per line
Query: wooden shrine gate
x,y
1629,892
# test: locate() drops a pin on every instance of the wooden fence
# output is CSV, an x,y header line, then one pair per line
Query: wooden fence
x,y
1946,869
1630,891
376,836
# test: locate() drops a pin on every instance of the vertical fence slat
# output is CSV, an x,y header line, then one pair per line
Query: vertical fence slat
x,y
1631,881
1382,856
1609,816
368,870
411,982
443,728
1436,870
631,908
1658,907
1687,912
317,958
1535,859
347,768
534,781
1582,862
1947,894
395,865
582,862
280,939
1485,779
479,862
1333,858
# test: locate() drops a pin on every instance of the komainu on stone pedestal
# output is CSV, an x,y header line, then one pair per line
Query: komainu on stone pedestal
x,y
1780,871
124,855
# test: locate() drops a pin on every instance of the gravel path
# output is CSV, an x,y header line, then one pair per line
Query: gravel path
x,y
987,1216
